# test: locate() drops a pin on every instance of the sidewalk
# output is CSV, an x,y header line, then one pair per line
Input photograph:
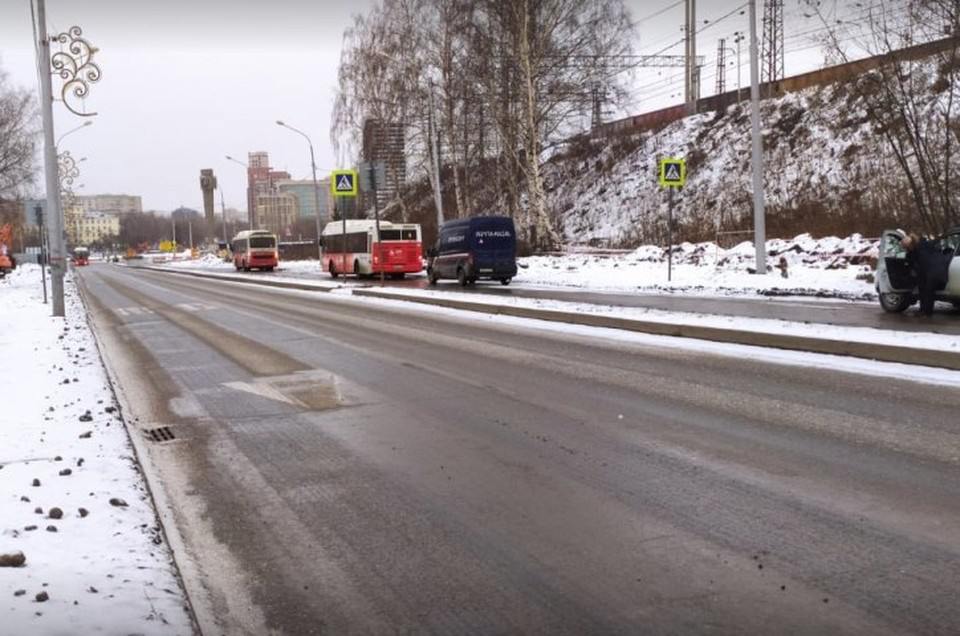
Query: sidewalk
x,y
73,502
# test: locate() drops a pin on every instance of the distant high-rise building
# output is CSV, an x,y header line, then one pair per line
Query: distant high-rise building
x,y
261,181
117,204
386,142
276,213
303,190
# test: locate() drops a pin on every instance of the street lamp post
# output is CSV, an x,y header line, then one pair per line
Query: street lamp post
x,y
250,213
223,211
316,186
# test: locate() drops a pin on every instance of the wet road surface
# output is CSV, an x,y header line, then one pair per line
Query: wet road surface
x,y
946,320
342,467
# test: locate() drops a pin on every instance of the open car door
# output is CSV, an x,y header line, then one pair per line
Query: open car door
x,y
896,281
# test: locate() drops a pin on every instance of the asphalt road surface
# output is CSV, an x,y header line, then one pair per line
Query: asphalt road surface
x,y
946,320
344,466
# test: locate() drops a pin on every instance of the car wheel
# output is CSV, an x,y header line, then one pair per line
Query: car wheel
x,y
432,277
332,269
461,277
504,281
894,302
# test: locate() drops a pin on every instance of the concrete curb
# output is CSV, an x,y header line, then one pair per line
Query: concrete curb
x,y
281,284
190,581
880,352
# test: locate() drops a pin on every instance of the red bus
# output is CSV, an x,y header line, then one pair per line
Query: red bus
x,y
397,251
255,249
81,256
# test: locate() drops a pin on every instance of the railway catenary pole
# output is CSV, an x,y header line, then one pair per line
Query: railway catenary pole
x,y
759,220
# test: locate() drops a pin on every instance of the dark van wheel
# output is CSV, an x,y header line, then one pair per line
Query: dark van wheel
x,y
895,303
504,281
462,277
432,277
332,269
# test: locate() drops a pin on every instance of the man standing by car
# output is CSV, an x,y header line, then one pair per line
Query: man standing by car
x,y
930,264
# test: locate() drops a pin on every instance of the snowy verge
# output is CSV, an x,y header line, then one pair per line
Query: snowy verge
x,y
72,498
825,332
828,267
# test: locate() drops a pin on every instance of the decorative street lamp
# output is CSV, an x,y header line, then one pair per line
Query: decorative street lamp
x,y
75,66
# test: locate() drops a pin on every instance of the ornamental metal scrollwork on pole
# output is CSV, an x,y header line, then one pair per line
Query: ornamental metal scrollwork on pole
x,y
68,169
75,66
68,172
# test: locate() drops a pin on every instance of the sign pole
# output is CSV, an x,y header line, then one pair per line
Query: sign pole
x,y
43,252
673,175
670,195
344,183
376,217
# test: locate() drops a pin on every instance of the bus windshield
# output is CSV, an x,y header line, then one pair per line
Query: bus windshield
x,y
262,242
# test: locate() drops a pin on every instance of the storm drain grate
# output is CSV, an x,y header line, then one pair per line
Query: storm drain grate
x,y
162,434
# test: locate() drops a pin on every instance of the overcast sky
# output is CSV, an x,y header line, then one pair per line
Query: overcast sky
x,y
187,82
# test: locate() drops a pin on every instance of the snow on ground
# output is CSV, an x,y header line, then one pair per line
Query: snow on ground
x,y
72,499
838,333
213,263
828,267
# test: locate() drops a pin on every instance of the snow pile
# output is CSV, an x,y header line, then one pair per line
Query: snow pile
x,y
828,267
72,499
212,262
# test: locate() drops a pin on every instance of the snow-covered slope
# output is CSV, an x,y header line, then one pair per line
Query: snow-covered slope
x,y
825,173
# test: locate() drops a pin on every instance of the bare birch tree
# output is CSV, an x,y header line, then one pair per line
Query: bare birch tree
x,y
911,101
18,139
512,79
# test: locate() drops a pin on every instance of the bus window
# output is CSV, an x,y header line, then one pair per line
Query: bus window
x,y
391,235
408,235
262,242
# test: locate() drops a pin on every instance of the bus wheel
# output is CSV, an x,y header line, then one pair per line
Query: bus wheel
x,y
332,269
462,277
504,281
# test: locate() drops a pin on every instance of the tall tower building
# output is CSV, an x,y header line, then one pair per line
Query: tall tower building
x,y
386,142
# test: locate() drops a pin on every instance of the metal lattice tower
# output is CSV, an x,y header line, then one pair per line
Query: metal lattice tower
x,y
596,97
721,67
772,53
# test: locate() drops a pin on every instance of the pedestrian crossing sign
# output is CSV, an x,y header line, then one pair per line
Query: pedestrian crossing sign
x,y
344,183
673,172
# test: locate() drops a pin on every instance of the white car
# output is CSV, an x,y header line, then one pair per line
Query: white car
x,y
896,280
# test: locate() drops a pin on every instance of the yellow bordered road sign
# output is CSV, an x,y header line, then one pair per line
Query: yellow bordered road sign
x,y
343,183
673,172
